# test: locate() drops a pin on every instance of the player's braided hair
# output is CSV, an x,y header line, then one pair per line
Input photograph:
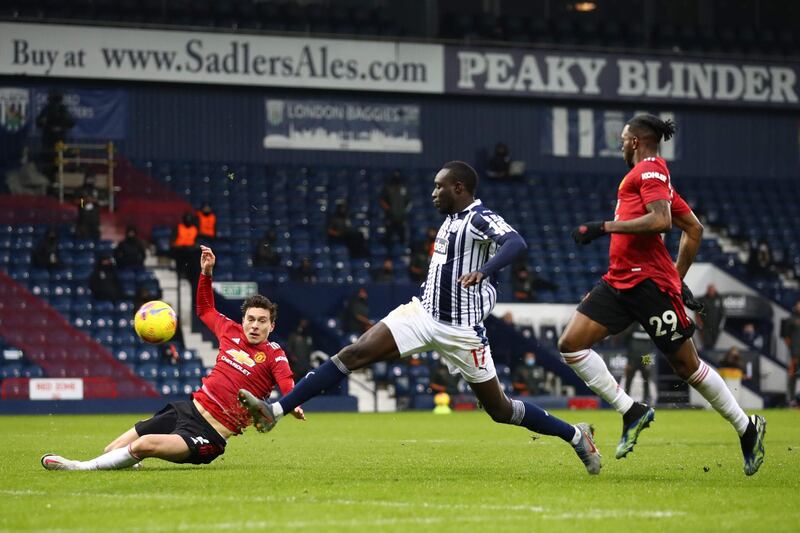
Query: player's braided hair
x,y
651,125
262,302
460,171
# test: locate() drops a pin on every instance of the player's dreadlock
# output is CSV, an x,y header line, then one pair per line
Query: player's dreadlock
x,y
650,125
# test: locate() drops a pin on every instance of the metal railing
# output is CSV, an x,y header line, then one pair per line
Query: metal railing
x,y
82,154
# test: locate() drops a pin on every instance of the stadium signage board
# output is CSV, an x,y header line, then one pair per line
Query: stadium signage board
x,y
203,57
342,125
235,290
637,79
55,388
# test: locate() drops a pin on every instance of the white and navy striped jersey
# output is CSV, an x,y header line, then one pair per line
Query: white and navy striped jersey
x,y
464,243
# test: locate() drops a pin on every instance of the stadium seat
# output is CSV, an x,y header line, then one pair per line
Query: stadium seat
x,y
170,387
148,354
169,372
11,369
126,354
32,371
191,369
147,371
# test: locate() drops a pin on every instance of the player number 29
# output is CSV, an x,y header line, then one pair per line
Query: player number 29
x,y
669,318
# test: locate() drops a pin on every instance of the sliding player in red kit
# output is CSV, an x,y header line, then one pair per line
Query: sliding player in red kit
x,y
644,285
197,431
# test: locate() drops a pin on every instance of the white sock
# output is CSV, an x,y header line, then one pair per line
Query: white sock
x,y
113,460
710,385
593,371
277,410
577,438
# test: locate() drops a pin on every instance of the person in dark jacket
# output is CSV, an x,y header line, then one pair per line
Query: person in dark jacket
x,y
104,281
130,251
46,253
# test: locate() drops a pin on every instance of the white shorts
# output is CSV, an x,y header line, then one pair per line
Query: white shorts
x,y
462,348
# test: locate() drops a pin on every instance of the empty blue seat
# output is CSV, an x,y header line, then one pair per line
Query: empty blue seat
x,y
170,387
103,319
102,306
12,369
148,354
32,371
189,355
104,336
192,369
127,354
169,372
147,370
190,385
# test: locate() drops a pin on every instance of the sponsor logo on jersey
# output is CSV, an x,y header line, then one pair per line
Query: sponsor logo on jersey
x,y
654,175
236,340
260,357
281,358
440,246
241,357
235,365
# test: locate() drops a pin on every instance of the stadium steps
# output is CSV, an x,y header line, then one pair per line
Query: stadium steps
x,y
362,386
168,280
61,350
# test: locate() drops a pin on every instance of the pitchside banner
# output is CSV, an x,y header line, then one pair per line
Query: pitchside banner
x,y
637,79
336,125
195,57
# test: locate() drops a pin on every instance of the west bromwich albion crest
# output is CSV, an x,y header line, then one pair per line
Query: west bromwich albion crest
x,y
14,107
275,112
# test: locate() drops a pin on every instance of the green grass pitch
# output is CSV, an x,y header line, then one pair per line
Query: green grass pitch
x,y
408,471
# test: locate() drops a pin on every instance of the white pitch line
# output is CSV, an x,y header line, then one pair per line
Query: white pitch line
x,y
588,514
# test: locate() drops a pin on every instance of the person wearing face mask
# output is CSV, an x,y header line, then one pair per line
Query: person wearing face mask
x,y
46,253
299,345
395,204
472,245
196,431
206,223
355,318
88,224
528,379
130,251
104,281
184,248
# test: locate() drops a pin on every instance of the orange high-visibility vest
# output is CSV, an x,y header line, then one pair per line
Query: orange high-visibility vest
x,y
207,223
187,235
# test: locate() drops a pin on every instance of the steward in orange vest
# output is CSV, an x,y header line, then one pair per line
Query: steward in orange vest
x,y
186,232
207,221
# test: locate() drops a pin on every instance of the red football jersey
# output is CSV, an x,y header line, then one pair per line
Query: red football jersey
x,y
240,365
634,258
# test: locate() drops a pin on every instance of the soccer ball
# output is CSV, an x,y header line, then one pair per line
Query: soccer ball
x,y
155,322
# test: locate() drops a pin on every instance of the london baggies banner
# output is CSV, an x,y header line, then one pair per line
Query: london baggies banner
x,y
342,125
197,57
